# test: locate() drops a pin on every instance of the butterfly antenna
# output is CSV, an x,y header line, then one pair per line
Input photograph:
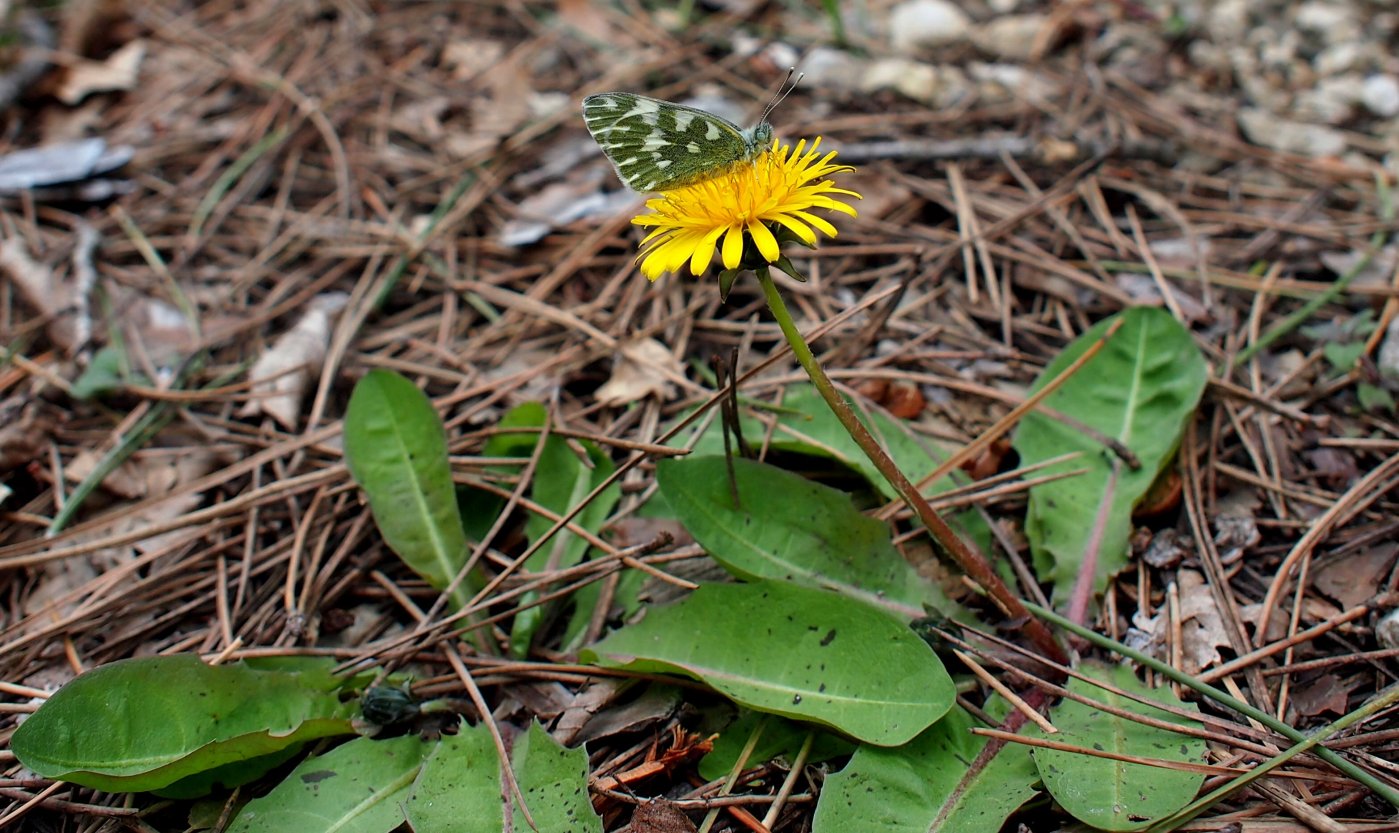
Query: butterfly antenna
x,y
785,89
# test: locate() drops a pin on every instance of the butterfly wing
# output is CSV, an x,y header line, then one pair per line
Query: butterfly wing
x,y
656,145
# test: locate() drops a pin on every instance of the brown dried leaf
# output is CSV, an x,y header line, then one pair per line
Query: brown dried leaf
x,y
282,373
1356,576
53,298
1201,626
119,72
1327,693
659,816
642,369
470,57
904,401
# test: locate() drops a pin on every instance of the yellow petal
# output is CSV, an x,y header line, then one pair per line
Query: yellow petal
x,y
704,252
733,247
821,225
800,229
766,243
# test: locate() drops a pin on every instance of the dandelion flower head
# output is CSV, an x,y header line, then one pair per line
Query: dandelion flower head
x,y
741,209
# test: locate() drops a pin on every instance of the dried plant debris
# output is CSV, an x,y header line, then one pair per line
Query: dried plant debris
x,y
65,163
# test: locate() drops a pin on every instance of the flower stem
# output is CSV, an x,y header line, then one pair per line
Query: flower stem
x,y
972,562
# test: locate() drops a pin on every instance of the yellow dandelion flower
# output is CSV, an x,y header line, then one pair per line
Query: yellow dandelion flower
x,y
749,202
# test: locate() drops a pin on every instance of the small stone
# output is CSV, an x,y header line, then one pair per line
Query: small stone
x,y
937,86
1227,21
927,24
1331,101
1008,82
1013,37
1380,95
1346,56
834,69
1332,22
1265,128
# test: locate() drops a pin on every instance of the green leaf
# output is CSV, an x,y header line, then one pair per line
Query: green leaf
x,y
792,529
396,449
802,653
357,787
1141,389
1374,398
779,739
146,723
936,782
108,371
805,425
1113,795
461,789
561,481
1343,354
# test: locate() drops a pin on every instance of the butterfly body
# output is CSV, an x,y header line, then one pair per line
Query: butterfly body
x,y
657,145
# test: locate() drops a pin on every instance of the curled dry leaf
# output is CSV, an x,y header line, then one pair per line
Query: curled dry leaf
x,y
1201,626
1166,549
119,72
659,816
642,368
1234,535
279,378
470,57
59,163
62,302
905,400
560,204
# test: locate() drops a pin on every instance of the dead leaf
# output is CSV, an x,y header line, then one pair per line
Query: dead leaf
x,y
119,72
60,162
1327,693
659,816
125,481
582,16
642,368
496,115
1167,548
633,531
1334,467
1354,578
905,400
1201,626
281,374
586,704
653,706
157,333
62,301
1234,535
470,57
560,204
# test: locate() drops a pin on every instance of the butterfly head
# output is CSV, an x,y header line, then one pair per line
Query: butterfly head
x,y
759,138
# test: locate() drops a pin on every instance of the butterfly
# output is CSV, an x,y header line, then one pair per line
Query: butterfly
x,y
658,145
